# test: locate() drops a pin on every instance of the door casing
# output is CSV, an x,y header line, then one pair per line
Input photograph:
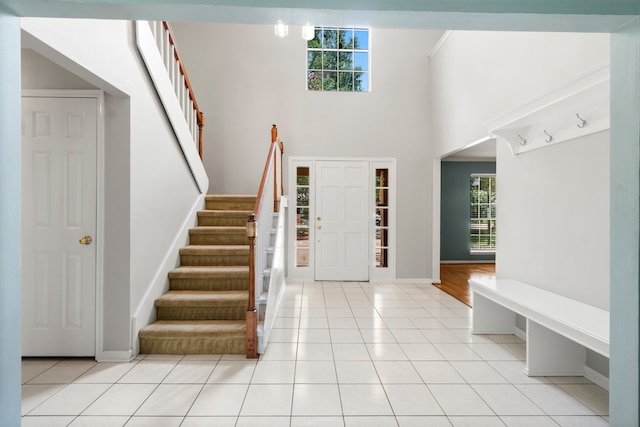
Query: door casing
x,y
307,273
100,195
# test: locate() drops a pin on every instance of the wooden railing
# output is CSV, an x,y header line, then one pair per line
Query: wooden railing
x,y
168,48
258,228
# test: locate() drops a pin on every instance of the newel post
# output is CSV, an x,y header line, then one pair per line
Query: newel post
x,y
200,132
252,314
274,145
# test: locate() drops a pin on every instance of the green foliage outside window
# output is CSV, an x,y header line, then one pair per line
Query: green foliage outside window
x,y
338,60
483,213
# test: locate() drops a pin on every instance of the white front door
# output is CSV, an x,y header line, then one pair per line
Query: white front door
x,y
342,221
59,140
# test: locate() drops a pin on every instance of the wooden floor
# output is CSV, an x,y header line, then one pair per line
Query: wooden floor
x,y
454,278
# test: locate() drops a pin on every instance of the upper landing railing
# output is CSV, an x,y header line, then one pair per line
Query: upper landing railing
x,y
168,48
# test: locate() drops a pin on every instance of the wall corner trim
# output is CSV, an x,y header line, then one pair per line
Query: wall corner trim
x,y
440,43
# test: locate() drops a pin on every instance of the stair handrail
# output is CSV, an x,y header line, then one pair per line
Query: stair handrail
x,y
168,47
258,226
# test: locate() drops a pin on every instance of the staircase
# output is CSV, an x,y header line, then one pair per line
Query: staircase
x,y
204,311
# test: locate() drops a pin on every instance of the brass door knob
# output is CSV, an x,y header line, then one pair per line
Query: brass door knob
x,y
86,240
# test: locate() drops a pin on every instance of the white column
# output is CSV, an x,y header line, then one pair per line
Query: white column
x,y
10,396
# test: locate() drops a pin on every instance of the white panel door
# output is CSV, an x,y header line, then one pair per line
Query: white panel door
x,y
59,140
342,221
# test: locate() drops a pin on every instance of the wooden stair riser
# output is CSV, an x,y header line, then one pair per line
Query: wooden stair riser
x,y
227,312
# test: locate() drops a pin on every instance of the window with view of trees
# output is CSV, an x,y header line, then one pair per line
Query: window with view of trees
x,y
483,213
302,217
338,60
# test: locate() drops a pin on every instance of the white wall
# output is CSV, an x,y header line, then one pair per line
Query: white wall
x,y
553,203
246,79
149,188
476,76
40,73
553,218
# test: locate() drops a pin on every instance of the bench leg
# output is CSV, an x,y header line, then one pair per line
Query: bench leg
x,y
551,354
491,318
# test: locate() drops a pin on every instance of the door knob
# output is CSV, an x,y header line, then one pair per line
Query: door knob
x,y
86,240
319,227
318,218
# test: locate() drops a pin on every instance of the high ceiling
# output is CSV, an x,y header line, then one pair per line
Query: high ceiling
x,y
536,15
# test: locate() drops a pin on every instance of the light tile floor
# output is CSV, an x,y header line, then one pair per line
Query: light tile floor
x,y
342,354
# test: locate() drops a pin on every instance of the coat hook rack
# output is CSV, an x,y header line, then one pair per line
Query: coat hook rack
x,y
523,141
584,122
550,137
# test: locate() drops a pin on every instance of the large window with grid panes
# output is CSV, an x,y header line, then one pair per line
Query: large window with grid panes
x,y
338,60
483,213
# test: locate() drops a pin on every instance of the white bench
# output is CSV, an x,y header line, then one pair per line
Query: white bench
x,y
558,328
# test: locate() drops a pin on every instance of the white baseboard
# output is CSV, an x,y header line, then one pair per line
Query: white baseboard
x,y
520,333
115,356
552,373
596,378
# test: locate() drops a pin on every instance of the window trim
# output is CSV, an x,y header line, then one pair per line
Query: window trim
x,y
366,72
481,251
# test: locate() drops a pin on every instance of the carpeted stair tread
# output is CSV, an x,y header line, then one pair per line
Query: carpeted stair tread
x,y
191,328
204,312
225,212
210,278
236,218
208,229
194,337
208,271
214,249
230,201
218,235
232,197
215,255
202,299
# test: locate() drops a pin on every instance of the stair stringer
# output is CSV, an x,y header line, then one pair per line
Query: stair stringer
x,y
275,284
145,312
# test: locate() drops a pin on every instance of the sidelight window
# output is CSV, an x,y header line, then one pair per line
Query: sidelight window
x,y
381,236
302,217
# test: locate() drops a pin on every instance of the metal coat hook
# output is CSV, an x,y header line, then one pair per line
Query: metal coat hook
x,y
523,141
584,122
550,137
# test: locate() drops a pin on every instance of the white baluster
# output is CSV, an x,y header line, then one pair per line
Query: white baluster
x,y
183,97
175,75
192,120
159,36
166,52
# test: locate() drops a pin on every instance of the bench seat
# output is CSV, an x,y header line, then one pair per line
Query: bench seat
x,y
558,328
